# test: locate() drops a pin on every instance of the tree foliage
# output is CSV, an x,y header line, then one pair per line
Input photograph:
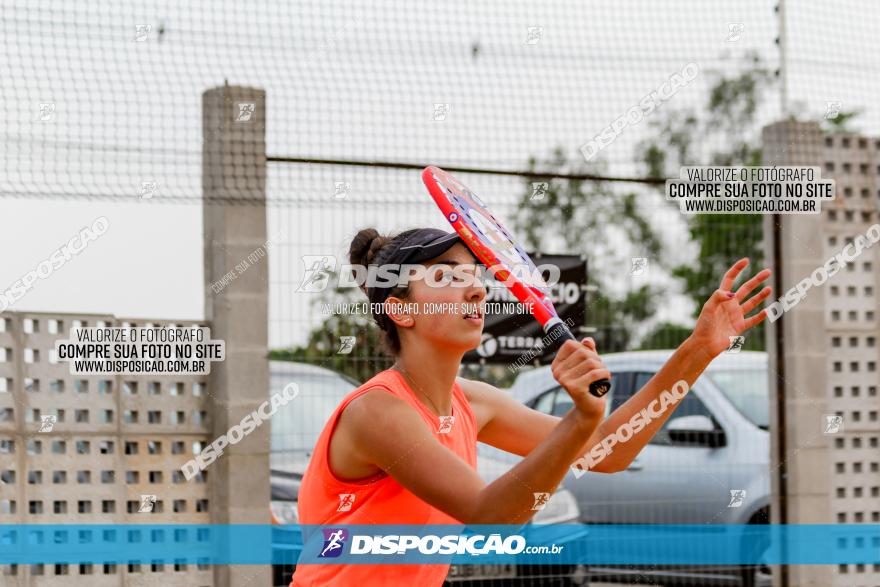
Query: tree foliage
x,y
725,133
593,218
589,217
323,345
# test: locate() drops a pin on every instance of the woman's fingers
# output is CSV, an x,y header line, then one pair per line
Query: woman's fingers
x,y
577,369
753,302
720,295
584,381
585,367
749,286
755,320
576,356
733,273
566,372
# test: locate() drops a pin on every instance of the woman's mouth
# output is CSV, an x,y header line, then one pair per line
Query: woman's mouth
x,y
474,317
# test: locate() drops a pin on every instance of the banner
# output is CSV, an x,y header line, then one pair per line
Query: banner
x,y
509,330
554,544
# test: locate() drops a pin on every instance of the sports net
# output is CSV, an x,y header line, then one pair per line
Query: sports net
x,y
563,114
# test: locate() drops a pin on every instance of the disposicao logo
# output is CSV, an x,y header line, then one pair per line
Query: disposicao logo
x,y
334,542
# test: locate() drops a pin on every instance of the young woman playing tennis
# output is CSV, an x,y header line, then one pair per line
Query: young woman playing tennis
x,y
404,443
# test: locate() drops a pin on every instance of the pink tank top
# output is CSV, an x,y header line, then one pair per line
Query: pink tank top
x,y
326,500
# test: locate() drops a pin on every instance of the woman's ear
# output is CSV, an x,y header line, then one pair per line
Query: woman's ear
x,y
399,312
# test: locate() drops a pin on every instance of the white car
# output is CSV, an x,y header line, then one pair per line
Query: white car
x,y
708,464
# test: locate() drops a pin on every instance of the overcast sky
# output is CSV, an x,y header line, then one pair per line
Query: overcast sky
x,y
346,83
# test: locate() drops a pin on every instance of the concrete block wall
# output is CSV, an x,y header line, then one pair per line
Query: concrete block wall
x,y
829,353
120,437
102,454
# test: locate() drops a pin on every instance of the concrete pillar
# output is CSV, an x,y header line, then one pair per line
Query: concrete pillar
x,y
236,308
806,462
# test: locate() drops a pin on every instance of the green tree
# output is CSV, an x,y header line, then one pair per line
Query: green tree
x,y
665,336
323,345
841,122
590,218
724,133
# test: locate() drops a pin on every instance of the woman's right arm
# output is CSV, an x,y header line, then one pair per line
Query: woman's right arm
x,y
388,433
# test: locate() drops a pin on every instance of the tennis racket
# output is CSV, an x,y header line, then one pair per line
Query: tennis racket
x,y
493,246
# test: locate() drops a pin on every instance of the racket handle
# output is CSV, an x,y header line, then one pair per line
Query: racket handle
x,y
555,329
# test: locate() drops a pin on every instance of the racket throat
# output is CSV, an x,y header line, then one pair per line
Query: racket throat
x,y
556,329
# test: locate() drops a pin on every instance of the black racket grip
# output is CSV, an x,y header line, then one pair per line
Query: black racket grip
x,y
558,331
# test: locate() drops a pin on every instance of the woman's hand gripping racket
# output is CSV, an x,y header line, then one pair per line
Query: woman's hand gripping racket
x,y
490,242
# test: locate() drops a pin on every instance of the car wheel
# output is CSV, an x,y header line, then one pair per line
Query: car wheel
x,y
757,576
580,577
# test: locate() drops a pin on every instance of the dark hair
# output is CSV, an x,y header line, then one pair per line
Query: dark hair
x,y
368,247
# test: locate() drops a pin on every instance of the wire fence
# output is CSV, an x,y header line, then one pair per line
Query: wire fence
x,y
566,118
630,236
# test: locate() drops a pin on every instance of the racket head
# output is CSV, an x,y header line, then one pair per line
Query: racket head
x,y
489,241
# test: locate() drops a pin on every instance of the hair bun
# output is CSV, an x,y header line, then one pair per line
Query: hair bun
x,y
365,246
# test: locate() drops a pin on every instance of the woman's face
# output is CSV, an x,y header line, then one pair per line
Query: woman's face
x,y
448,300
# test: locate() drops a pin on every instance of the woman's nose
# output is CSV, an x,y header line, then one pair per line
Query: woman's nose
x,y
477,292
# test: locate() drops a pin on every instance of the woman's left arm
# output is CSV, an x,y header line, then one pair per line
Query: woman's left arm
x,y
515,428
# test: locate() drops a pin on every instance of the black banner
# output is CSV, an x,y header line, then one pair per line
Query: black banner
x,y
509,331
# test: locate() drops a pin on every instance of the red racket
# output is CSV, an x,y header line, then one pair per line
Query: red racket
x,y
493,246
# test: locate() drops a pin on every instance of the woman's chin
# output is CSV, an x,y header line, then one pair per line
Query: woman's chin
x,y
464,342
468,342
475,341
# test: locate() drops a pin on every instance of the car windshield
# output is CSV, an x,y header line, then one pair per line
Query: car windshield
x,y
747,391
297,425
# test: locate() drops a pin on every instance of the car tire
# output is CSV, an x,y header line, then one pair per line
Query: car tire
x,y
757,575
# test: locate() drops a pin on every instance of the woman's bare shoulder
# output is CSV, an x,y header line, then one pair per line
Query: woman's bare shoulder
x,y
476,390
481,396
373,402
357,448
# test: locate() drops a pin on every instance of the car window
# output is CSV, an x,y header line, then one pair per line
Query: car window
x,y
747,390
620,390
297,425
557,402
544,403
564,402
689,406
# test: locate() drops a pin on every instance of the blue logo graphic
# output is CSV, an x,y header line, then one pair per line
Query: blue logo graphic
x,y
334,541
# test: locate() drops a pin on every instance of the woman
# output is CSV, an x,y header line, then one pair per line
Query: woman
x,y
401,448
